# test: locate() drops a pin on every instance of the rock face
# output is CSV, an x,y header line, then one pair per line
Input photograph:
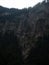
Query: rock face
x,y
23,28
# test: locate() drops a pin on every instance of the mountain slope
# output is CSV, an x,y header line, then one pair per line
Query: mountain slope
x,y
26,25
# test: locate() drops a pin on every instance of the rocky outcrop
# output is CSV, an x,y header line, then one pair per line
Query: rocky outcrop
x,y
26,24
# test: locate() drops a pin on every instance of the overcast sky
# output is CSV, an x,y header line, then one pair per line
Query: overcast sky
x,y
19,3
